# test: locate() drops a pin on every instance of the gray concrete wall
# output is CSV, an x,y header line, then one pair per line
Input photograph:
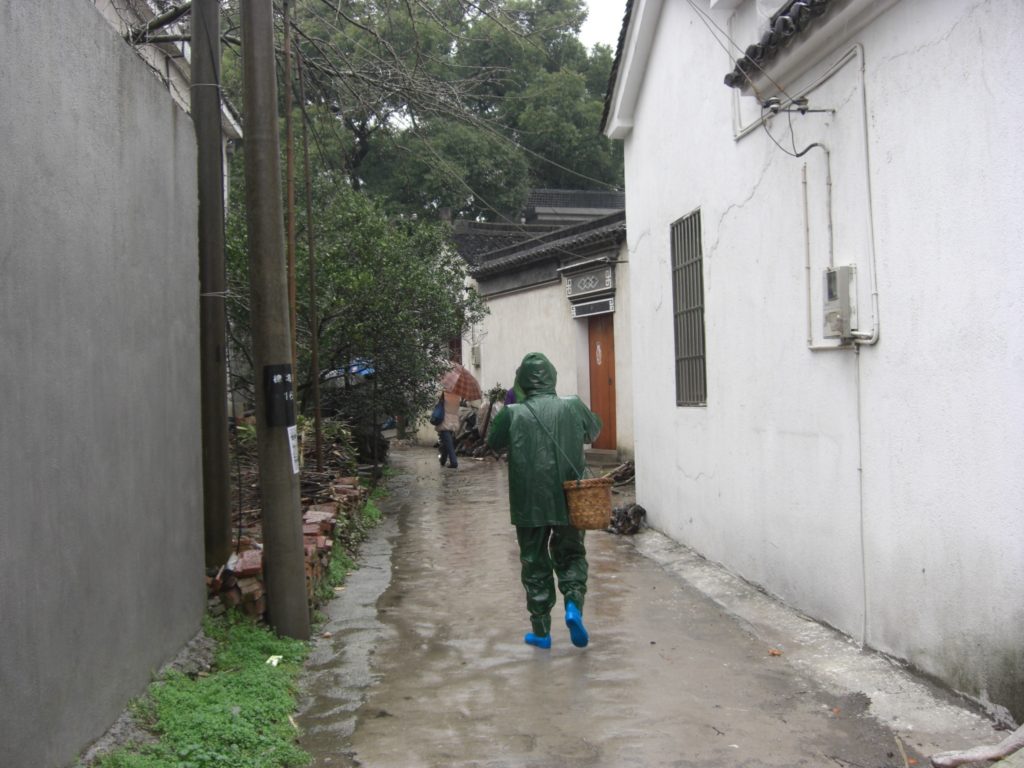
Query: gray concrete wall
x,y
101,556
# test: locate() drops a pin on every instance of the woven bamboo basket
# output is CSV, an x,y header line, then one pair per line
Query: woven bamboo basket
x,y
590,503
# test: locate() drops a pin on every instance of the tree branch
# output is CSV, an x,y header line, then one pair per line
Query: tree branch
x,y
140,34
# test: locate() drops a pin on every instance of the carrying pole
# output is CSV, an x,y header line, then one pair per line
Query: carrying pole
x,y
283,556
206,106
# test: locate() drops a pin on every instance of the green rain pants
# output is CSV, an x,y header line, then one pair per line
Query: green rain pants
x,y
543,550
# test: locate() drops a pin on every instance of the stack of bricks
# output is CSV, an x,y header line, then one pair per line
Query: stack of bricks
x,y
318,539
239,583
349,494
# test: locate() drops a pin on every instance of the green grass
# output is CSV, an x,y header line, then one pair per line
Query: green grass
x,y
237,717
371,512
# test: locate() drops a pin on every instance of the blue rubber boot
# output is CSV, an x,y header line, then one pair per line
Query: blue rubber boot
x,y
574,621
537,640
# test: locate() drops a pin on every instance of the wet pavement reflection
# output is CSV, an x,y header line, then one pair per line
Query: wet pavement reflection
x,y
425,663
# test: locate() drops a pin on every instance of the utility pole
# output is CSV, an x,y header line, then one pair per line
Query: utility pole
x,y
206,106
289,152
283,561
314,343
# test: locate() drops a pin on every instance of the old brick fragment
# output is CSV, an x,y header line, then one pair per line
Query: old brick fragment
x,y
330,509
251,588
255,608
248,563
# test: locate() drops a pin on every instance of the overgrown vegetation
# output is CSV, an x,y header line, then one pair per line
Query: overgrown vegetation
x,y
239,714
412,109
390,295
348,534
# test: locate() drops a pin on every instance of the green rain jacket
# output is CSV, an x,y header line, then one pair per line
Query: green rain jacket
x,y
536,468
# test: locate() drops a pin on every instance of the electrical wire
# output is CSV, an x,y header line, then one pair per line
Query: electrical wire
x,y
708,22
457,114
795,152
480,201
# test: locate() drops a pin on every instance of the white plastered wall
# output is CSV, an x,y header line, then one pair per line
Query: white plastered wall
x,y
539,320
879,492
533,320
623,358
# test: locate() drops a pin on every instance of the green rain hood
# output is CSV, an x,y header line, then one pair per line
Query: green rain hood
x,y
536,467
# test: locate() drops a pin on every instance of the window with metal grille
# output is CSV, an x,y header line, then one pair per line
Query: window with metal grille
x,y
688,310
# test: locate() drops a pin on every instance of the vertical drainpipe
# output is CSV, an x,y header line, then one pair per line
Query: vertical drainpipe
x,y
861,338
867,339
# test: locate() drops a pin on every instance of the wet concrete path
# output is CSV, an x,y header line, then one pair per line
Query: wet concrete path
x,y
425,663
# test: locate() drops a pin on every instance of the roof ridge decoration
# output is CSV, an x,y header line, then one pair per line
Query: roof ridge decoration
x,y
794,17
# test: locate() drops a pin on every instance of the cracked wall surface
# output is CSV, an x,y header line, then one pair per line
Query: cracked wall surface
x,y
872,488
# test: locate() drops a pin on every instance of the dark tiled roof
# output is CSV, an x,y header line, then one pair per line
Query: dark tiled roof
x,y
575,198
785,26
610,228
614,75
474,238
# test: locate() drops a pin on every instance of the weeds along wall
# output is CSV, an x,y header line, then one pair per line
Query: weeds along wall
x,y
101,556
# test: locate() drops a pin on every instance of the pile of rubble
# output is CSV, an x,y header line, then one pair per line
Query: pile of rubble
x,y
239,582
332,501
624,474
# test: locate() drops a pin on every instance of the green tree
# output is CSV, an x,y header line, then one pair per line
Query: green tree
x,y
391,292
414,107
448,164
388,81
557,124
439,103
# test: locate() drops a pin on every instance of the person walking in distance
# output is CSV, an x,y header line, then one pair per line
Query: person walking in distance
x,y
544,435
447,428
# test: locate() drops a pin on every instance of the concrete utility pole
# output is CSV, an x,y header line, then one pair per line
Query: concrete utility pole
x,y
314,342
283,561
206,105
289,152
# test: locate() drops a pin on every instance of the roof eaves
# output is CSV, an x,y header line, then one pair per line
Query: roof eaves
x,y
559,234
613,76
611,232
784,27
819,27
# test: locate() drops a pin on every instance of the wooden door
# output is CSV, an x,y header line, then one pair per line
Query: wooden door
x,y
602,377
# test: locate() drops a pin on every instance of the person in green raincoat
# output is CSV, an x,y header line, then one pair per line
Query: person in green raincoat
x,y
544,435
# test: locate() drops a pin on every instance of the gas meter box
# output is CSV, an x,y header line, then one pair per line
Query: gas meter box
x,y
840,302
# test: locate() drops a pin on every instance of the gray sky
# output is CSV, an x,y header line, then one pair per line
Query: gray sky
x,y
603,22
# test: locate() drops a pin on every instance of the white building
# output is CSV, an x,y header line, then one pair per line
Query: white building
x,y
564,293
828,375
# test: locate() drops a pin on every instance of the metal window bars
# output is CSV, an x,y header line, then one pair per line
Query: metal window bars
x,y
688,311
